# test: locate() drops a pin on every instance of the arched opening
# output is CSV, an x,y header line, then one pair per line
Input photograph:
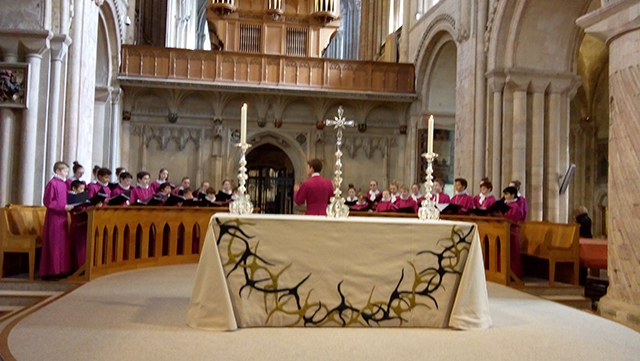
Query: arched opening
x,y
271,179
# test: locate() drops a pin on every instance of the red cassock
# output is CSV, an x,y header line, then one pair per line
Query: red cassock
x,y
386,206
79,223
316,192
514,214
418,199
118,190
441,198
406,203
522,203
488,201
140,194
55,257
361,206
155,185
374,196
463,200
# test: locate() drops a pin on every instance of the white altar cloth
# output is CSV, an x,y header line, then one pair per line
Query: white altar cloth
x,y
293,270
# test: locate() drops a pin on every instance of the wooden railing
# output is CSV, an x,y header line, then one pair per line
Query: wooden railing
x,y
495,239
245,69
124,238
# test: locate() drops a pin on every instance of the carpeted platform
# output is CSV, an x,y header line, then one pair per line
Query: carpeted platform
x,y
140,315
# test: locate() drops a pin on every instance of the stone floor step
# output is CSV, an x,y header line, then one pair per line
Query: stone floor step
x,y
579,302
562,290
22,285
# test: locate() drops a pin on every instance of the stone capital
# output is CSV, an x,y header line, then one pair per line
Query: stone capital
x,y
495,80
102,94
613,19
116,93
59,46
34,42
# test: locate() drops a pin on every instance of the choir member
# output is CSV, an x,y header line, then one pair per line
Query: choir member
x,y
201,193
164,191
163,177
415,193
101,184
94,173
143,190
514,214
393,190
385,204
119,171
462,198
363,204
184,184
316,191
374,194
439,196
123,186
78,172
225,195
485,199
351,196
522,201
55,259
210,196
77,187
404,202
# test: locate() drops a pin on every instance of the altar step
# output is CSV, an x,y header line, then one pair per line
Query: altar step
x,y
18,295
566,294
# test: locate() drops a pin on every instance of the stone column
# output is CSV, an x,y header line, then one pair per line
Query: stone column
x,y
73,87
7,121
59,45
537,182
519,132
496,84
505,138
553,156
618,24
116,131
35,44
481,123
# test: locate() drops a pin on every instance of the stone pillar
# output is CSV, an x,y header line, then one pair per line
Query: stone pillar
x,y
7,121
73,87
506,139
35,44
59,45
480,145
496,84
116,131
537,182
553,156
618,24
519,133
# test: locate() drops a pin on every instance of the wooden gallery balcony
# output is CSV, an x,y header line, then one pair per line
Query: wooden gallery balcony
x,y
146,65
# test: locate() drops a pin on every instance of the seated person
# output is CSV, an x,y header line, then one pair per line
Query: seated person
x,y
351,196
362,204
415,193
185,183
385,204
210,198
374,195
462,198
224,196
201,193
439,196
485,199
393,190
404,202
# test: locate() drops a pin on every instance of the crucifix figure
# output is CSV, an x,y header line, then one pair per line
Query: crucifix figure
x,y
337,208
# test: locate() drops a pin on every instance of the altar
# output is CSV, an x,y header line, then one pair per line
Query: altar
x,y
305,271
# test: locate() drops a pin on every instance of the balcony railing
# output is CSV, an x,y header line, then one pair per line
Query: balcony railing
x,y
260,70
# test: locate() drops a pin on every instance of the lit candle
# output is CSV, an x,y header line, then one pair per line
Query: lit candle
x,y
430,136
243,125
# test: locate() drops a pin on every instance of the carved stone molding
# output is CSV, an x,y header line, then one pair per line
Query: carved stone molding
x,y
164,135
368,145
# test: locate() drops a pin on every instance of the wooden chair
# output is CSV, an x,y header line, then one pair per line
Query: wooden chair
x,y
555,242
21,232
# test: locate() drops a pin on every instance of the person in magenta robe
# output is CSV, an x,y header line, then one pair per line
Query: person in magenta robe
x,y
143,190
363,203
101,184
184,183
484,199
522,201
315,191
385,204
415,193
374,195
55,261
351,198
78,172
404,202
225,195
514,214
462,198
394,191
201,193
163,177
124,185
439,196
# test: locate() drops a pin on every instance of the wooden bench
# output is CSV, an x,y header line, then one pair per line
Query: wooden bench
x,y
21,232
554,242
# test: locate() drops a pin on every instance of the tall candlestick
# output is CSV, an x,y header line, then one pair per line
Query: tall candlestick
x,y
243,124
430,136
